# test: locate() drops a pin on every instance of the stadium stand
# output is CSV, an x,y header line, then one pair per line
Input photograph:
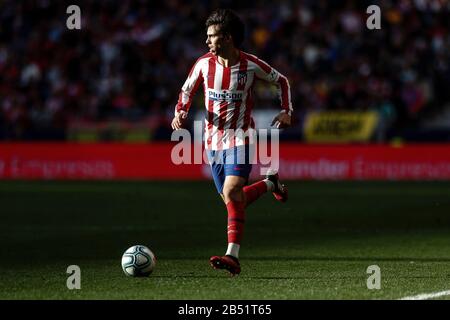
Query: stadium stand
x,y
130,58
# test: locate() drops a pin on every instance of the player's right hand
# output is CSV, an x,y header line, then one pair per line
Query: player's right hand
x,y
178,120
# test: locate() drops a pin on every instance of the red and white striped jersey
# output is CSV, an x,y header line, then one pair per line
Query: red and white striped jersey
x,y
229,96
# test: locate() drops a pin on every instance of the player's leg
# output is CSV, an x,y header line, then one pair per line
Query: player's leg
x,y
279,190
270,184
233,195
237,170
256,190
234,201
233,189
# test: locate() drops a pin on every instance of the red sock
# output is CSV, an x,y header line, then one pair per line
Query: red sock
x,y
254,191
236,219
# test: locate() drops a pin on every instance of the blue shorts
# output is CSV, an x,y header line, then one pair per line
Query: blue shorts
x,y
230,162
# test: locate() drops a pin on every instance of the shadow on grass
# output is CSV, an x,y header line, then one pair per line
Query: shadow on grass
x,y
330,259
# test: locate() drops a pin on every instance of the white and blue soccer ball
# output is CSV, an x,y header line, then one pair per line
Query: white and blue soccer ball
x,y
138,261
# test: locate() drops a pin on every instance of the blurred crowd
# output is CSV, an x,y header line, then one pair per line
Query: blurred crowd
x,y
131,57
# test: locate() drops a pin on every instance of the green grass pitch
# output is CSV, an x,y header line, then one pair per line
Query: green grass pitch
x,y
316,246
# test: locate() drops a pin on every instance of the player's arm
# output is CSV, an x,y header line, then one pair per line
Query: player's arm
x,y
269,74
188,90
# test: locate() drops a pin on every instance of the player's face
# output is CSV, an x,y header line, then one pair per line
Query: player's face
x,y
215,40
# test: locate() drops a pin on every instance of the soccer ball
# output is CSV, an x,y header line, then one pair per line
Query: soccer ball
x,y
138,261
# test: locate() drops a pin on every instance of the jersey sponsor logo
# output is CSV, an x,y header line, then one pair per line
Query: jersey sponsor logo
x,y
225,95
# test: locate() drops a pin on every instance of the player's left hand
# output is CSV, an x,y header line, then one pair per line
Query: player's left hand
x,y
282,120
179,120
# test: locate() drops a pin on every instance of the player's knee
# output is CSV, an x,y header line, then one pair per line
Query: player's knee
x,y
232,192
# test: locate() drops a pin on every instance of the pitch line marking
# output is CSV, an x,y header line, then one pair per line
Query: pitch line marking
x,y
426,296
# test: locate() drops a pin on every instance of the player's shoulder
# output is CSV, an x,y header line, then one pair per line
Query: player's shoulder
x,y
257,61
202,61
249,56
206,56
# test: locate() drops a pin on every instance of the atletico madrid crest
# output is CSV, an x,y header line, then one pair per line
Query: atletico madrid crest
x,y
242,78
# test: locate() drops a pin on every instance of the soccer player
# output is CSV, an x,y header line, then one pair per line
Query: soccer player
x,y
228,76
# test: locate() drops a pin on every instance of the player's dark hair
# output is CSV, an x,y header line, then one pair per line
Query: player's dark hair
x,y
229,24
